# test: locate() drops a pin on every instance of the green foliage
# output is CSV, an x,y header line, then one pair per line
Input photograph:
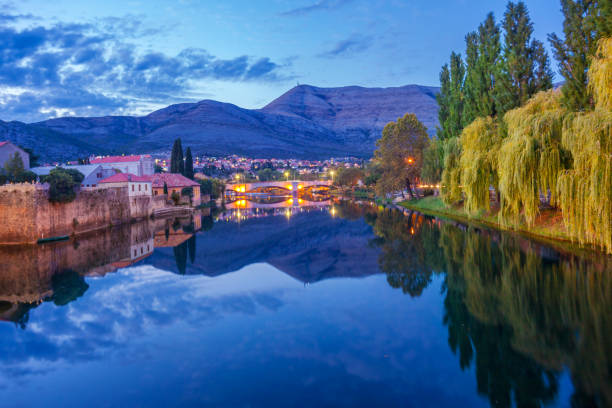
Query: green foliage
x,y
348,177
177,164
165,188
524,69
62,184
159,169
14,171
187,192
188,164
176,197
443,99
586,22
399,154
450,189
269,174
480,143
483,51
433,161
13,167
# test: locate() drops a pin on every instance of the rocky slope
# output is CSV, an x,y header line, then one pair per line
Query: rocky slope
x,y
306,122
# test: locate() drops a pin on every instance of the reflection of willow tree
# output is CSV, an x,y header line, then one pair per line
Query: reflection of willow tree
x,y
521,319
409,247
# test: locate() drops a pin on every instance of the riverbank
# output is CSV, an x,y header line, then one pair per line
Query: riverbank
x,y
548,228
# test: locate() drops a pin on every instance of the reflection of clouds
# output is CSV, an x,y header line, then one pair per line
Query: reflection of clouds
x,y
129,304
256,327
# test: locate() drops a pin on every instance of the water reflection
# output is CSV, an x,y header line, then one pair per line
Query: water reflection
x,y
529,325
517,311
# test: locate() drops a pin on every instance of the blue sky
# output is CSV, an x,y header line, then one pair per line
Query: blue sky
x,y
69,57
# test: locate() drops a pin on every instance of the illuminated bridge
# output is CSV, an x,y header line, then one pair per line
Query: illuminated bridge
x,y
271,187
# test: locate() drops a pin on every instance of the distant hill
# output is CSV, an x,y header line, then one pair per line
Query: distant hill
x,y
306,122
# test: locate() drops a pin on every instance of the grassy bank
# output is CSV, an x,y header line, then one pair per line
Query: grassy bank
x,y
548,228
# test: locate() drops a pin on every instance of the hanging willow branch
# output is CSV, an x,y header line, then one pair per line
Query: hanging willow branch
x,y
480,143
451,176
531,157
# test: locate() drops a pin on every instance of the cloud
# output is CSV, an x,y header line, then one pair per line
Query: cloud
x,y
95,69
318,6
349,46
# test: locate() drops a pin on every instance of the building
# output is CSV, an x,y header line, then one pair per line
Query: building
x,y
94,173
136,185
7,152
139,165
175,183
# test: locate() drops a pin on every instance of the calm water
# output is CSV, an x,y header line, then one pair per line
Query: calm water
x,y
326,306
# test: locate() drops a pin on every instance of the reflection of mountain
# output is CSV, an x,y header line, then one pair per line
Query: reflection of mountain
x,y
310,247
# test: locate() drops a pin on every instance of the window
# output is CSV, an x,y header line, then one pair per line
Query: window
x,y
132,187
156,192
139,187
146,187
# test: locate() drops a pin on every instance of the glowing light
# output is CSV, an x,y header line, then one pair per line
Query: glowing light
x,y
289,187
409,160
300,186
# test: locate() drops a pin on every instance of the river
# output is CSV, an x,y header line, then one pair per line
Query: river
x,y
333,304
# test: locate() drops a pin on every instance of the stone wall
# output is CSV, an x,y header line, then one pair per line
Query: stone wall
x,y
27,215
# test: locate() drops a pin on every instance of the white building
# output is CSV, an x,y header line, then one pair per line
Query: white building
x,y
94,173
139,165
136,185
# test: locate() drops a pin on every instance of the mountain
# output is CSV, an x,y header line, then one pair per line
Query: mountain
x,y
357,114
306,122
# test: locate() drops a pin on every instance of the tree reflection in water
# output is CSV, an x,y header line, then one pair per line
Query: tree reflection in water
x,y
515,310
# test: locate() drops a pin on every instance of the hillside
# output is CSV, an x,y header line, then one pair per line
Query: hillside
x,y
307,122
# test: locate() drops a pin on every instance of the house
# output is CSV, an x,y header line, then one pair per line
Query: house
x,y
7,152
136,185
94,173
175,183
140,165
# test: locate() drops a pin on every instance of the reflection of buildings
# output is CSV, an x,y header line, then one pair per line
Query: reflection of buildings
x,y
30,275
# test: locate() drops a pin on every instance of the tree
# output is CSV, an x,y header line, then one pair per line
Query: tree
x,y
13,167
524,68
165,188
177,165
62,184
400,154
586,22
483,52
188,164
433,161
455,111
443,99
348,177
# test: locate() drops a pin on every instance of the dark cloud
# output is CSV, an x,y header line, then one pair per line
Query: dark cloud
x,y
91,69
349,46
318,6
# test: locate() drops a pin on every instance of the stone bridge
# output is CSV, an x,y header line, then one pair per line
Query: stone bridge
x,y
290,186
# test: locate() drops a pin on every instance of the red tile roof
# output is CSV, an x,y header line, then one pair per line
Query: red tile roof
x,y
3,143
125,177
171,180
118,159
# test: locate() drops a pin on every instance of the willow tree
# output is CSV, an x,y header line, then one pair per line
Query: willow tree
x,y
451,175
400,154
531,157
585,190
480,143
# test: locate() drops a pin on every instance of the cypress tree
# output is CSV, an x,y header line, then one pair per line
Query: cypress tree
x,y
188,164
524,69
165,188
455,112
472,80
177,165
586,22
443,99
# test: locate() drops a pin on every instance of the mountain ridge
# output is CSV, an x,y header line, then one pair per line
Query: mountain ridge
x,y
304,122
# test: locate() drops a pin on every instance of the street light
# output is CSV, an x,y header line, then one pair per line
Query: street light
x,y
331,173
287,175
